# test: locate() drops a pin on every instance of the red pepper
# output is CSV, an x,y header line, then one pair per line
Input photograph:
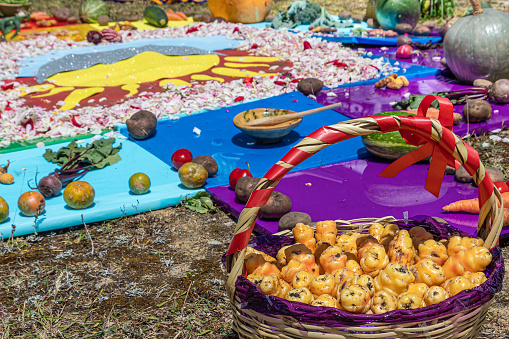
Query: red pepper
x,y
192,29
337,63
296,80
238,99
280,83
8,86
247,80
253,46
236,30
29,122
307,45
376,67
74,122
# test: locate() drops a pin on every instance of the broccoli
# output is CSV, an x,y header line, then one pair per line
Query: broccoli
x,y
300,12
307,13
282,19
325,20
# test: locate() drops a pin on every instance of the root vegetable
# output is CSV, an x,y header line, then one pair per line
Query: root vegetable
x,y
31,203
500,91
6,178
404,51
49,186
3,169
471,205
477,111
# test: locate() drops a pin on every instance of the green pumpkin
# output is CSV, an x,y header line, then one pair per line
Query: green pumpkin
x,y
389,13
477,46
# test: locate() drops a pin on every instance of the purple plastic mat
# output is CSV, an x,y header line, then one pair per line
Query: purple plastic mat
x,y
428,58
353,189
361,101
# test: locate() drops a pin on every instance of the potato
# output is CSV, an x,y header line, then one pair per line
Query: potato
x,y
278,205
344,15
141,125
310,86
422,31
244,187
357,18
103,20
483,83
62,14
403,28
477,111
289,220
208,162
72,19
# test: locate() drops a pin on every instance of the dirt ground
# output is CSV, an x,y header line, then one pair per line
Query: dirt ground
x,y
152,275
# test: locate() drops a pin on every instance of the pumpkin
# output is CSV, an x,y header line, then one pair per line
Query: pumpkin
x,y
476,46
91,10
243,11
389,13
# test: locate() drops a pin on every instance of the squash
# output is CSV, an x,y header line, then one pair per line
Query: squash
x,y
389,13
155,16
476,45
91,10
389,145
242,11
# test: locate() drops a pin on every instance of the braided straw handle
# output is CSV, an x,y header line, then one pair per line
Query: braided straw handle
x,y
441,139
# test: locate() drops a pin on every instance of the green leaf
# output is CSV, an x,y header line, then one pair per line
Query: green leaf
x,y
200,203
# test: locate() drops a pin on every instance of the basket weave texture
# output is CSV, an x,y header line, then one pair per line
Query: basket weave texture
x,y
461,316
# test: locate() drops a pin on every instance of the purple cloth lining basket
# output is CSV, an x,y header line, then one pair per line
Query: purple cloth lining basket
x,y
252,298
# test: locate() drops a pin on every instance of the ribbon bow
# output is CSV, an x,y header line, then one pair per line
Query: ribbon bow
x,y
439,157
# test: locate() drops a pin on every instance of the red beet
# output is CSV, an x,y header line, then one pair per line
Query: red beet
x,y
500,91
49,186
404,51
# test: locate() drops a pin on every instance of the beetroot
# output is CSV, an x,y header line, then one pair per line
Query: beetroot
x,y
500,91
404,51
50,186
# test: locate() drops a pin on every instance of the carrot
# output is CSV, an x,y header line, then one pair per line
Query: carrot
x,y
506,217
170,11
174,17
182,15
471,205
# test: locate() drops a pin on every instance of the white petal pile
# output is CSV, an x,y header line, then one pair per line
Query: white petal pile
x,y
330,62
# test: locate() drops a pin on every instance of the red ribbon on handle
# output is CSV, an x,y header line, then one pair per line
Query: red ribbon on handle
x,y
439,157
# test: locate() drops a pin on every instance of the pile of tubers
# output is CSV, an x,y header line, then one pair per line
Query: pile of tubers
x,y
387,269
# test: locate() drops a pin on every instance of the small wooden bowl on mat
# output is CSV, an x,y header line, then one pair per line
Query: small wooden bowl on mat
x,y
461,316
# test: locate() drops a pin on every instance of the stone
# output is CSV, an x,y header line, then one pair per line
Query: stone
x,y
357,18
344,15
310,86
461,175
403,28
103,20
289,220
62,14
133,17
495,174
429,23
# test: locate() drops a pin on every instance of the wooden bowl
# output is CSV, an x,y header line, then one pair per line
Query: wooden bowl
x,y
264,134
9,10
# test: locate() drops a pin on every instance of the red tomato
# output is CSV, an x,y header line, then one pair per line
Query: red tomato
x,y
502,186
180,157
236,174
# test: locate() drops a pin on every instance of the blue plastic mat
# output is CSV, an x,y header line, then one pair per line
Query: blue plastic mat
x,y
231,148
30,66
112,200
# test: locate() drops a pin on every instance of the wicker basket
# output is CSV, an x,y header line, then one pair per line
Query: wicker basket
x,y
461,317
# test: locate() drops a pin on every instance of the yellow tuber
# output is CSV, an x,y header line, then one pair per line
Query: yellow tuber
x,y
300,294
409,301
326,231
354,299
401,249
305,235
474,260
325,300
6,178
383,302
434,295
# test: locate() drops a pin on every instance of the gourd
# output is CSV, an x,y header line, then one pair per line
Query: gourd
x,y
242,11
476,46
389,13
91,10
155,16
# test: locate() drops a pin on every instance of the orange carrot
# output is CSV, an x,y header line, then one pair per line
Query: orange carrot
x,y
471,205
170,11
506,217
174,17
182,15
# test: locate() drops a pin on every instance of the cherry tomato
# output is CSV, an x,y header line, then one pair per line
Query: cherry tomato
x,y
502,186
180,157
236,174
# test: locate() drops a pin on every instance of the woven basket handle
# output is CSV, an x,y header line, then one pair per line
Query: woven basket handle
x,y
430,133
